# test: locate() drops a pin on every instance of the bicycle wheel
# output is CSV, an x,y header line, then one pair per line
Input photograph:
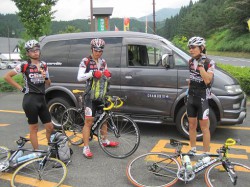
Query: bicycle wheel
x,y
153,169
4,154
121,129
4,158
72,123
216,175
52,173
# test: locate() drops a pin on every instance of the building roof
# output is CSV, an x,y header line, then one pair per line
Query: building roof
x,y
107,11
6,43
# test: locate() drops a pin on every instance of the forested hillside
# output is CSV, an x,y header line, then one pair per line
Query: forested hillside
x,y
11,22
222,22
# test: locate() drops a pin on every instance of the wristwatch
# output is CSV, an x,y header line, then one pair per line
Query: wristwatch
x,y
46,78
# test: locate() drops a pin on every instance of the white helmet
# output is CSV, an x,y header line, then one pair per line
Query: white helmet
x,y
196,41
30,44
97,44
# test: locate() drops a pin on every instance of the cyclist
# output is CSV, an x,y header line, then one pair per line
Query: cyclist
x,y
201,77
36,76
92,66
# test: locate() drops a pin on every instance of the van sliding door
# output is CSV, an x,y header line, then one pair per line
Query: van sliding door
x,y
150,88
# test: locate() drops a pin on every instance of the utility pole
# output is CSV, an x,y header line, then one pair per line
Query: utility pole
x,y
9,42
92,27
154,16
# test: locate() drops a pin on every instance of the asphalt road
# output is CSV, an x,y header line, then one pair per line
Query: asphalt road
x,y
103,170
243,62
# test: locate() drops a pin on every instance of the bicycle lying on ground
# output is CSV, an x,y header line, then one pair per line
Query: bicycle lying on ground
x,y
34,169
116,127
159,169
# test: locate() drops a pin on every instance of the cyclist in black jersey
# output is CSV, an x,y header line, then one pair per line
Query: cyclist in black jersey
x,y
200,82
36,76
92,66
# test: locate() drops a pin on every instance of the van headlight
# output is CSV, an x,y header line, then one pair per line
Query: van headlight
x,y
233,89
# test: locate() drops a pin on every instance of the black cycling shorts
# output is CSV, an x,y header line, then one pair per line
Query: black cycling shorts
x,y
34,105
197,106
91,107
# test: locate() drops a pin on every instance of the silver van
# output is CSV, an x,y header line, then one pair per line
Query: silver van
x,y
148,69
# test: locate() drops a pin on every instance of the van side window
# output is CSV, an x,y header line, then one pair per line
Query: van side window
x,y
80,48
179,61
141,55
56,52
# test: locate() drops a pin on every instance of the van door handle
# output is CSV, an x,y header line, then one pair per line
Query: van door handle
x,y
128,77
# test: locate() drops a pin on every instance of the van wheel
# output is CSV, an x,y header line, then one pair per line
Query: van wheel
x,y
183,127
56,108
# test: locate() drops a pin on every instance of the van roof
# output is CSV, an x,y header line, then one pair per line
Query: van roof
x,y
127,34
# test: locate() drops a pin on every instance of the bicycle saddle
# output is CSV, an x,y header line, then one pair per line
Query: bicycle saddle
x,y
177,143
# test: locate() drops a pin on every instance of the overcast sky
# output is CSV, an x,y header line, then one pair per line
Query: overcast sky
x,y
80,9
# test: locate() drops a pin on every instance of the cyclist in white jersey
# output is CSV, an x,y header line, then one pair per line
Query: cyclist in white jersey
x,y
200,82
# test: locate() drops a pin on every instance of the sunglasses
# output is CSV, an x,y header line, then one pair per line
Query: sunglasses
x,y
34,50
98,51
192,47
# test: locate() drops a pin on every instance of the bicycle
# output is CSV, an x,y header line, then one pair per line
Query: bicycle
x,y
40,170
159,169
116,127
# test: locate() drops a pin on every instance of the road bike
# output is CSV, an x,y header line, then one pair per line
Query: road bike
x,y
116,127
39,170
159,169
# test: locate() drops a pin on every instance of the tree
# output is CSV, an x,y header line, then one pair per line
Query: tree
x,y
35,16
238,15
70,29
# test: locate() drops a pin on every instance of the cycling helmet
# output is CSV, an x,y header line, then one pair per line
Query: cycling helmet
x,y
30,44
97,44
196,41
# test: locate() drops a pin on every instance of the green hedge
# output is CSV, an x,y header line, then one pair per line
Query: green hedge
x,y
5,87
242,74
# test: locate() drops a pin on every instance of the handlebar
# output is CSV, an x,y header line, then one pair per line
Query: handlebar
x,y
21,141
229,142
112,101
76,91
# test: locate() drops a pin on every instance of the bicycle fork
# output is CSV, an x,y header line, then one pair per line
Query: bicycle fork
x,y
114,128
230,171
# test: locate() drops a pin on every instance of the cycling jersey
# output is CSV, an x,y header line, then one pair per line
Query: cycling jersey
x,y
34,81
199,92
197,86
85,73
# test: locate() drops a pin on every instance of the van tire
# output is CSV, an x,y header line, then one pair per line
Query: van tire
x,y
182,123
56,108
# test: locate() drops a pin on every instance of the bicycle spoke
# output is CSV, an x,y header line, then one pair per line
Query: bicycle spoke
x,y
126,134
32,174
238,173
153,169
72,123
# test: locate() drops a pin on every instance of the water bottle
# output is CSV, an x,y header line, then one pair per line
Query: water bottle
x,y
28,157
186,160
202,161
18,154
206,159
52,137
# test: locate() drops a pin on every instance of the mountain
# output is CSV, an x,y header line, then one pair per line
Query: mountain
x,y
161,14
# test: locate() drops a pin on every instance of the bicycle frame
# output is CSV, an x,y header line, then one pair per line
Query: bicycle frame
x,y
102,116
100,120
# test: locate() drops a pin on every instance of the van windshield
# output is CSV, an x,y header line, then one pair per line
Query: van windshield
x,y
176,49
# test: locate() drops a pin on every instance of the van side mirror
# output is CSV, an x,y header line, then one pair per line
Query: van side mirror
x,y
165,60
